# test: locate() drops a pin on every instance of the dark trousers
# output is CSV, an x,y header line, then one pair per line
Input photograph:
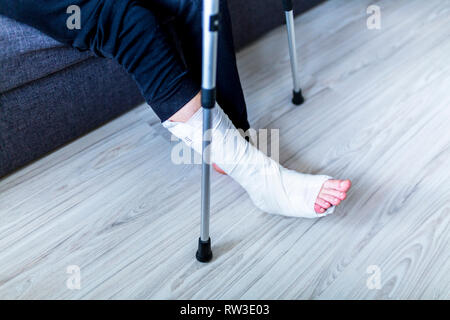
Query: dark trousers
x,y
134,34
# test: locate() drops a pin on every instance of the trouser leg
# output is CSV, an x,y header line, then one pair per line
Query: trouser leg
x,y
188,14
122,30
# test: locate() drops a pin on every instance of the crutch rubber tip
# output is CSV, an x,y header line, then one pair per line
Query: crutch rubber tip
x,y
297,98
204,253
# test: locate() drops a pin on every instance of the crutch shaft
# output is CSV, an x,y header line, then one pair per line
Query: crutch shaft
x,y
206,173
209,70
290,26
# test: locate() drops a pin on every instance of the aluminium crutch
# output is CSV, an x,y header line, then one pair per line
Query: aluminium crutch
x,y
297,98
209,69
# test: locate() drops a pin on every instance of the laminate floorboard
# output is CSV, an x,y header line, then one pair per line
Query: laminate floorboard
x,y
377,112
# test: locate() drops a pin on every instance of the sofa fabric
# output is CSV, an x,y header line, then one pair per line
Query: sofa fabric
x,y
51,111
51,94
27,55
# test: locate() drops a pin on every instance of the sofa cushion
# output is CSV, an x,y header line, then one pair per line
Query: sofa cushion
x,y
26,54
51,111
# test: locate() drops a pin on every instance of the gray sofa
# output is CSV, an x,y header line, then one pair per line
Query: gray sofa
x,y
51,94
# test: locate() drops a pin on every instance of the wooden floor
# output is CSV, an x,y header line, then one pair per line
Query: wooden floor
x,y
377,112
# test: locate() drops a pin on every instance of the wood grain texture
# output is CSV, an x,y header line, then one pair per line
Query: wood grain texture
x,y
377,112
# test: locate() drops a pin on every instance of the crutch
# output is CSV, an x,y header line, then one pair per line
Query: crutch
x,y
297,98
209,69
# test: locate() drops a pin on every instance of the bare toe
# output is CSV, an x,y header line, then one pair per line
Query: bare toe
x,y
346,185
333,200
318,209
340,185
335,193
322,203
331,194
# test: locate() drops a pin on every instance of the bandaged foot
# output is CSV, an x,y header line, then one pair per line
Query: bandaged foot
x,y
272,188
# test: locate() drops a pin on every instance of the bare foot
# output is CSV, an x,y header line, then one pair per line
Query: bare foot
x,y
331,194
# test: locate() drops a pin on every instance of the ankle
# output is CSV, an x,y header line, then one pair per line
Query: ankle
x,y
188,110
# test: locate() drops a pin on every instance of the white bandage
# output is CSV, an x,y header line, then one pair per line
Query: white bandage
x,y
272,188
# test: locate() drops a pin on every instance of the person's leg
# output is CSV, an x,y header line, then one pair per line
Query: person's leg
x,y
131,34
272,188
230,97
188,14
121,30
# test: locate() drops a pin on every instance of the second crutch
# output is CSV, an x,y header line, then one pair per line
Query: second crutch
x,y
209,70
297,98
